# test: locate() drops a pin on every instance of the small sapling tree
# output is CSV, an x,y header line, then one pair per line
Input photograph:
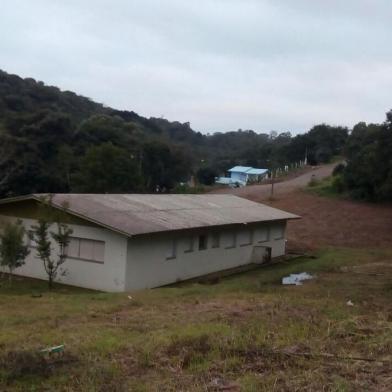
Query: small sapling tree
x,y
41,234
13,250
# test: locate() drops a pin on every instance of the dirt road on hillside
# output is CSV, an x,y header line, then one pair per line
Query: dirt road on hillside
x,y
324,221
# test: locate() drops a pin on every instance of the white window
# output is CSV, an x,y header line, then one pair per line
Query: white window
x,y
172,250
215,240
246,237
189,244
262,234
86,249
231,240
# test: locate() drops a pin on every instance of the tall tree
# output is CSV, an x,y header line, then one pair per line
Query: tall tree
x,y
109,169
43,238
13,249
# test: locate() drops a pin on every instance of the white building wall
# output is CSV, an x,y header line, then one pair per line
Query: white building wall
x,y
148,266
109,276
236,176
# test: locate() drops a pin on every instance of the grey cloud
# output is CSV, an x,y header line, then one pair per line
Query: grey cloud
x,y
220,64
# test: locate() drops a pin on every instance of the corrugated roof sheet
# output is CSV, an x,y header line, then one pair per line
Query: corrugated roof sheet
x,y
247,170
240,169
257,171
136,214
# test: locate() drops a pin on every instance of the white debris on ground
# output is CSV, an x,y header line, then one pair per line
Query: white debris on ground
x,y
296,279
349,303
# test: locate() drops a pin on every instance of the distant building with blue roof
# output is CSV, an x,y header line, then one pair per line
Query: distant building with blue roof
x,y
243,175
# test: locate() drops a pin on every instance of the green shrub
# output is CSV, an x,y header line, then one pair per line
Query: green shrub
x,y
338,184
339,169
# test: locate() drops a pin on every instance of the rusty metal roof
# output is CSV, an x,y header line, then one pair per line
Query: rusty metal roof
x,y
136,214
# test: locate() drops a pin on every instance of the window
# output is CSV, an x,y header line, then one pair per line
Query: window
x,y
189,245
85,249
172,251
279,232
262,234
203,242
246,237
215,240
231,240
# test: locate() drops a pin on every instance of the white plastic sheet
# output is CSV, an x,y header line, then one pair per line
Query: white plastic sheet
x,y
296,279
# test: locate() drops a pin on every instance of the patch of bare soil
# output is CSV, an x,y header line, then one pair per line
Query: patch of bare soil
x,y
333,222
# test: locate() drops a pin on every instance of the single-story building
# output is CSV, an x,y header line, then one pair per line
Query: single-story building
x,y
127,242
243,175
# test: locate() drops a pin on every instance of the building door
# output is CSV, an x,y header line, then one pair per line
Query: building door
x,y
261,254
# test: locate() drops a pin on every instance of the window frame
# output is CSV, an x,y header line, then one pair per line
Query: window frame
x,y
83,258
267,230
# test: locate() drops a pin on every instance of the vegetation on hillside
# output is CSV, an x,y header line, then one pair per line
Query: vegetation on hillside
x,y
57,141
366,173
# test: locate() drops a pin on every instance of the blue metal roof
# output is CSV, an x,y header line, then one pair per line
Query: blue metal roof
x,y
247,170
240,169
257,171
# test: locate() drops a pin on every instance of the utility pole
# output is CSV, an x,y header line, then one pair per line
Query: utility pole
x,y
272,165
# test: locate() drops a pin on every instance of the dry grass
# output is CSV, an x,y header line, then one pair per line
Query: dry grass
x,y
245,333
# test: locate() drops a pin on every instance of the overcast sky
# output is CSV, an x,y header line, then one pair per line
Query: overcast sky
x,y
265,65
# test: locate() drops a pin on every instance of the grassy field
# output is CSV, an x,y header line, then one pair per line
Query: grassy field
x,y
247,332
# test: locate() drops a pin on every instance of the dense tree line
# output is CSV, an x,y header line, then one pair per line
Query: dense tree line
x,y
368,172
57,141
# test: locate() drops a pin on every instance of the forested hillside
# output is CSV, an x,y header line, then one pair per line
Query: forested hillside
x,y
368,173
57,141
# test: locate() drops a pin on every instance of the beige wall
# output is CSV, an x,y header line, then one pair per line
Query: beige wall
x,y
148,267
109,276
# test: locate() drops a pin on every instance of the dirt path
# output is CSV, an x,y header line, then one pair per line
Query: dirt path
x,y
325,221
